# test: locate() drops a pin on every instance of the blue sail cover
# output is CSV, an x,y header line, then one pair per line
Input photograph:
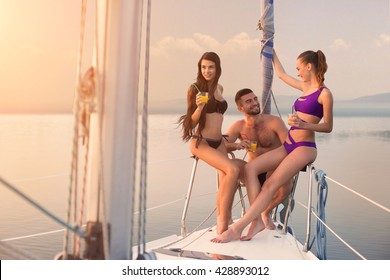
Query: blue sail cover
x,y
266,24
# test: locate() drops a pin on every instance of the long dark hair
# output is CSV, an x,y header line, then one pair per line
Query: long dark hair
x,y
200,85
318,60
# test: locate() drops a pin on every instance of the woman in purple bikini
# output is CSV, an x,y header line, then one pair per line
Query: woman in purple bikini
x,y
298,150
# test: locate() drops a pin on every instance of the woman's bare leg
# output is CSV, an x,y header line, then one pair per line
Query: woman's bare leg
x,y
228,180
280,195
291,165
262,164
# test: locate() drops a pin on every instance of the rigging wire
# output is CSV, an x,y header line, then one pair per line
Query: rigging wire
x,y
332,231
41,208
144,140
76,109
360,195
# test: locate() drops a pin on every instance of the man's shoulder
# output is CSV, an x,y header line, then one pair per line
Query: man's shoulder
x,y
274,122
269,117
236,126
238,123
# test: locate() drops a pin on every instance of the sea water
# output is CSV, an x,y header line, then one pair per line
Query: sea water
x,y
36,156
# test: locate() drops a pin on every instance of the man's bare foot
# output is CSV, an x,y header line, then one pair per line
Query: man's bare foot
x,y
267,219
227,236
255,227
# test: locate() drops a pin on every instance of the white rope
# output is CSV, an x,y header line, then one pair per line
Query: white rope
x,y
164,204
335,234
192,232
360,195
198,226
32,235
135,213
338,237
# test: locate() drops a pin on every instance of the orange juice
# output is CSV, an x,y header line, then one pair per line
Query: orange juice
x,y
292,118
204,97
253,146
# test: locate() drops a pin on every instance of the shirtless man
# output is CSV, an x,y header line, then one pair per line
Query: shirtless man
x,y
268,131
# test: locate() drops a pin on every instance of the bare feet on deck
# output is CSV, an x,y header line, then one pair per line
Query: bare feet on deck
x,y
222,225
267,219
227,236
255,227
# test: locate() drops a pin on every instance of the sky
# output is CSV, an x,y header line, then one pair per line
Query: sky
x,y
39,43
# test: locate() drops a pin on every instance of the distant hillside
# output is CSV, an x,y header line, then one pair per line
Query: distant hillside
x,y
373,105
377,98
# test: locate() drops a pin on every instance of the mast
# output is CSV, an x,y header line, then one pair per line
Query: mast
x,y
118,55
266,24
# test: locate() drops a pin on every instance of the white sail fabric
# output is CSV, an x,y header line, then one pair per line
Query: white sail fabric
x,y
266,24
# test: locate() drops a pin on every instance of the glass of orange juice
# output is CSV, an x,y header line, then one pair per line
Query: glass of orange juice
x,y
204,96
252,146
292,118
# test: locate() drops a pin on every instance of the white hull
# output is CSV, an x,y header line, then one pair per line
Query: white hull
x,y
266,245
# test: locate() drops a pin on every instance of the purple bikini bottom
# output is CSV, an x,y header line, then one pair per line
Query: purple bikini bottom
x,y
293,145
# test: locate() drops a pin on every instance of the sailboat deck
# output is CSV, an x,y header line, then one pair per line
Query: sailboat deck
x,y
268,245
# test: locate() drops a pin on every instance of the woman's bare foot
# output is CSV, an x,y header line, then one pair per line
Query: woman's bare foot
x,y
227,236
255,227
267,220
222,225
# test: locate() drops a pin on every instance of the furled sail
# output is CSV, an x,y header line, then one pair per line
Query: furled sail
x,y
266,24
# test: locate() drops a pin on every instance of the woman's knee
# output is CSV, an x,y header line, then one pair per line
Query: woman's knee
x,y
193,149
271,185
229,169
233,169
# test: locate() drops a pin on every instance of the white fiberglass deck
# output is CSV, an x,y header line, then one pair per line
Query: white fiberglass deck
x,y
268,245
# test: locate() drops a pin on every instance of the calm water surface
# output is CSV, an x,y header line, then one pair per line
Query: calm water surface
x,y
36,156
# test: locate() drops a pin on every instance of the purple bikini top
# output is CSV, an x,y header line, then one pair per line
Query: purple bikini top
x,y
308,104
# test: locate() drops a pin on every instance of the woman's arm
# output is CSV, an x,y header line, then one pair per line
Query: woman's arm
x,y
283,75
233,133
